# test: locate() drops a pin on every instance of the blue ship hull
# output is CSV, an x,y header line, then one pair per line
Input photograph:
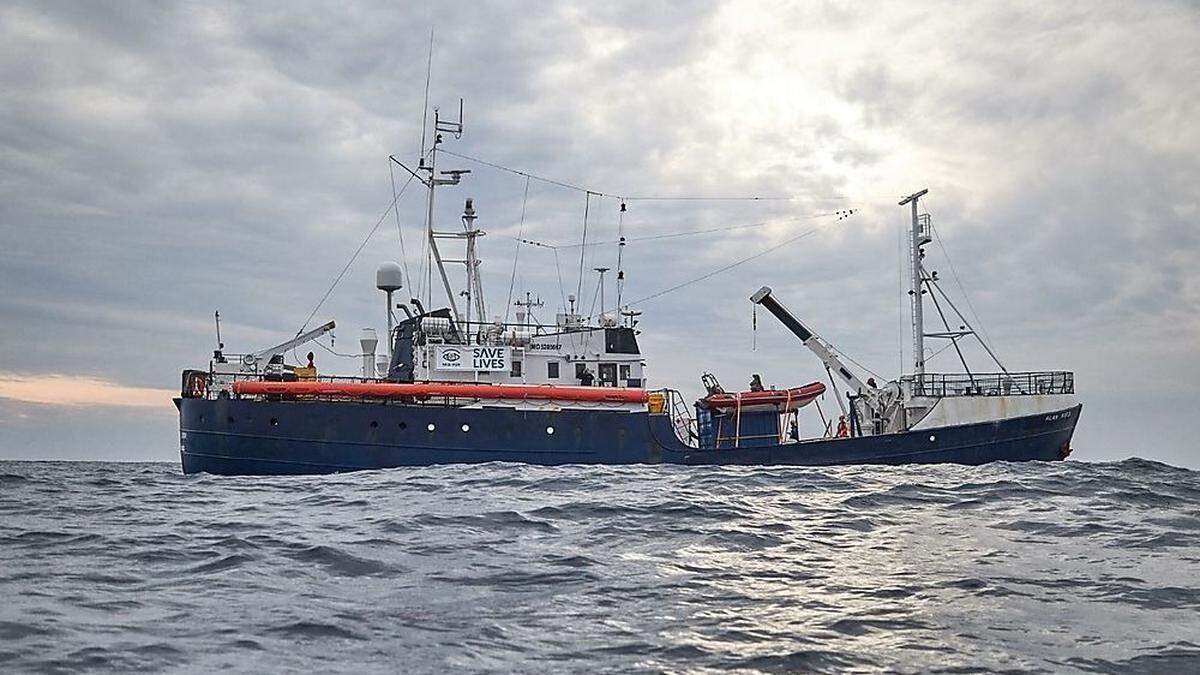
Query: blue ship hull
x,y
254,437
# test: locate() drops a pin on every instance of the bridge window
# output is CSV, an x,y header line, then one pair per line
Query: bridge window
x,y
516,369
552,370
608,374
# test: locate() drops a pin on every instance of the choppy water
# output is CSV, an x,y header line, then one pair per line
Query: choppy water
x,y
1065,566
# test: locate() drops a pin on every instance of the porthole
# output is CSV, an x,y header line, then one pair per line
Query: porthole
x,y
932,438
374,424
229,420
549,430
274,422
431,427
202,418
466,428
402,426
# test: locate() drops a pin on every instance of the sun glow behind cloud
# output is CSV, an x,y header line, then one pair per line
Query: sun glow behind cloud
x,y
66,390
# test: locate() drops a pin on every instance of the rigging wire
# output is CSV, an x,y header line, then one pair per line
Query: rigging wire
x,y
620,251
595,297
900,292
724,268
613,195
399,230
562,290
961,289
688,233
331,351
354,257
587,202
518,172
851,360
516,252
425,105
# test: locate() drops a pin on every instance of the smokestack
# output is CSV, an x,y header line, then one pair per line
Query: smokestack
x,y
368,341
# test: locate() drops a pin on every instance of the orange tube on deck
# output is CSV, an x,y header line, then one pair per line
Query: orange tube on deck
x,y
423,390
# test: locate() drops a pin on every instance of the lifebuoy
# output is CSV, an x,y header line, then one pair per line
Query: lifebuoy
x,y
198,385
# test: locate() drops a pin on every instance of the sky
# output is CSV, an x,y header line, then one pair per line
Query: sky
x,y
159,161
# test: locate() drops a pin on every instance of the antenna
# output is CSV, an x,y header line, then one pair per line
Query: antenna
x,y
450,126
217,317
526,306
601,271
425,105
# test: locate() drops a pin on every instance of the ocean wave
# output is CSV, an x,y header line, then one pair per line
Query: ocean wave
x,y
502,567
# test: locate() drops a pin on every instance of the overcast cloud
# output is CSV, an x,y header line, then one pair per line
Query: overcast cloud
x,y
159,161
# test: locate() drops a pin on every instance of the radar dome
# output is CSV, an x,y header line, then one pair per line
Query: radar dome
x,y
389,277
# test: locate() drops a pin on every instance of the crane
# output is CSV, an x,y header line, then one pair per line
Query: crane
x,y
256,361
816,345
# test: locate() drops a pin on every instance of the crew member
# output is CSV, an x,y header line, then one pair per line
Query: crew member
x,y
587,378
843,429
310,361
756,383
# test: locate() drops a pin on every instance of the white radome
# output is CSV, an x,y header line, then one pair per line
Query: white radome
x,y
389,277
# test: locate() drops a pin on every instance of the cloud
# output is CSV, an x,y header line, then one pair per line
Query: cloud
x,y
159,162
71,391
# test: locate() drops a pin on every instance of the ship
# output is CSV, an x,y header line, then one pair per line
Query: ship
x,y
450,386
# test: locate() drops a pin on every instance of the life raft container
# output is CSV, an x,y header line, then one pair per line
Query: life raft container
x,y
428,390
782,400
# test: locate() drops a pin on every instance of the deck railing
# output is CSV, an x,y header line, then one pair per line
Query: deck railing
x,y
992,384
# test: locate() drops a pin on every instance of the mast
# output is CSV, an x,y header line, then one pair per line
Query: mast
x,y
919,237
450,178
601,271
474,287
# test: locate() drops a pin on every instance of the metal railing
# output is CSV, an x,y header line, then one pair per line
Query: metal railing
x,y
991,384
675,407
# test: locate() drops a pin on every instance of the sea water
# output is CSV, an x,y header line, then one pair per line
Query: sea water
x,y
1069,566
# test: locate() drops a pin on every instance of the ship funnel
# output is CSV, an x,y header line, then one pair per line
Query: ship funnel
x,y
368,340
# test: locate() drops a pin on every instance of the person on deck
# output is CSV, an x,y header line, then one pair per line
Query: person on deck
x,y
843,429
586,378
756,383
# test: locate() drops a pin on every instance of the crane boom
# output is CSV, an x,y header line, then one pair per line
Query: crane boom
x,y
811,340
257,358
